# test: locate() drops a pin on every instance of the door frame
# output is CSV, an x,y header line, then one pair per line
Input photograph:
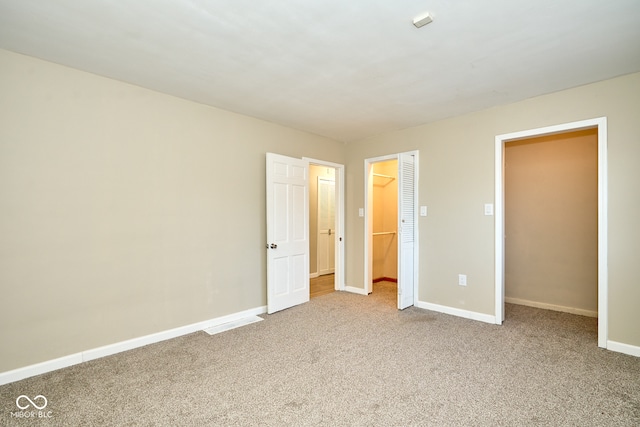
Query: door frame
x,y
339,273
368,223
600,124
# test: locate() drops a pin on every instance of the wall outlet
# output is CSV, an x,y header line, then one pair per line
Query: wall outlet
x,y
462,279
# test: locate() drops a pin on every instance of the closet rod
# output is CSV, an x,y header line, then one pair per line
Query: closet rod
x,y
383,233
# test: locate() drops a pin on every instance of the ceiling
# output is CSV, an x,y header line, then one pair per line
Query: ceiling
x,y
346,70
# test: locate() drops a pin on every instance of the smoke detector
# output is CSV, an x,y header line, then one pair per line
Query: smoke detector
x,y
422,20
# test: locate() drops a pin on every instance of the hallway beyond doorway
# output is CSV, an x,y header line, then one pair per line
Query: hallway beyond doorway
x,y
321,285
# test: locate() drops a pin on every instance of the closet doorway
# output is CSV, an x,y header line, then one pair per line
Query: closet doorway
x,y
599,125
551,222
391,247
384,217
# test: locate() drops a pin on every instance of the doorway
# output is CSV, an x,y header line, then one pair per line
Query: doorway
x,y
322,229
391,234
599,127
326,225
551,222
384,217
287,217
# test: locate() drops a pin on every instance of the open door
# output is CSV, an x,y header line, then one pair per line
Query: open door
x,y
287,232
326,227
406,229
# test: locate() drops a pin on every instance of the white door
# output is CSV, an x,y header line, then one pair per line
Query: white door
x,y
406,229
326,226
287,232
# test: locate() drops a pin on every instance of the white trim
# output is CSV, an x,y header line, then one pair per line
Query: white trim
x,y
355,290
340,221
619,347
314,275
554,307
416,229
40,368
473,315
601,124
603,233
107,350
499,230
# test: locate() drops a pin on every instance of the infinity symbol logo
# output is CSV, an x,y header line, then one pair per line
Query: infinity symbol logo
x,y
22,397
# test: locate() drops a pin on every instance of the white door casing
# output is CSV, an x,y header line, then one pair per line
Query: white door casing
x,y
287,232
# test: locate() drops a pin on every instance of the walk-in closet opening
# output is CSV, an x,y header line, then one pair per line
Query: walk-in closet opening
x,y
384,217
559,242
551,221
391,229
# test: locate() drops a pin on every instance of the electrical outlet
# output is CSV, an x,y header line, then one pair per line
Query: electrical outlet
x,y
462,279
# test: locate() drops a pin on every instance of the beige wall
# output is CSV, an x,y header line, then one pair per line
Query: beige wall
x,y
551,220
385,219
125,212
457,178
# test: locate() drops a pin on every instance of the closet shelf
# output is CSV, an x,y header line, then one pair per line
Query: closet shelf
x,y
382,233
383,180
384,176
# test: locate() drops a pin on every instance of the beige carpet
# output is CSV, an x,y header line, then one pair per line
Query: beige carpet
x,y
349,360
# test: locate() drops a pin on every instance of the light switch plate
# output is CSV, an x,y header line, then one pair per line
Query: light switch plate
x,y
488,209
361,212
423,211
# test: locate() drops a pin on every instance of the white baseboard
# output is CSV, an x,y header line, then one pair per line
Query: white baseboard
x,y
107,350
359,291
473,315
40,368
619,347
317,274
545,306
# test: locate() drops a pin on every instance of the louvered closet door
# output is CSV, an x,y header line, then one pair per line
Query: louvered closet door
x,y
287,232
407,223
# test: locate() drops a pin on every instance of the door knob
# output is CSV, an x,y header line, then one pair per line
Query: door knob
x,y
273,246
